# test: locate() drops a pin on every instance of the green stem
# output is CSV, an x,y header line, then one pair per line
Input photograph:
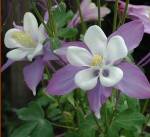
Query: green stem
x,y
63,126
99,12
144,126
125,12
47,72
115,15
145,106
115,108
106,120
51,23
79,102
41,19
81,17
97,123
77,106
46,94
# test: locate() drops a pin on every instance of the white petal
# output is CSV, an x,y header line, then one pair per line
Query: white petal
x,y
36,52
41,33
9,41
95,39
116,49
30,25
86,79
16,54
78,56
113,76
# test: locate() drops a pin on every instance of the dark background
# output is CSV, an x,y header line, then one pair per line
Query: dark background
x,y
15,93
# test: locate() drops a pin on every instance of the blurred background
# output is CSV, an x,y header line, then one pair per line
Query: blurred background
x,y
15,92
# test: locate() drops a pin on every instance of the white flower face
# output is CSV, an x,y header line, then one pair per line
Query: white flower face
x,y
99,59
26,43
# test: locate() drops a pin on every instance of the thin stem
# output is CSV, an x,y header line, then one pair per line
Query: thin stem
x,y
117,97
51,22
115,15
46,94
47,72
145,106
41,18
78,101
106,120
63,126
145,58
81,17
97,123
99,12
145,63
125,12
115,108
144,126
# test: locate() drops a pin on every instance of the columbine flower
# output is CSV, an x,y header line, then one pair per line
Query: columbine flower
x,y
89,12
99,60
95,69
26,42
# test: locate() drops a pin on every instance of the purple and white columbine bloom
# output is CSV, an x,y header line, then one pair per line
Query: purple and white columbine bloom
x,y
89,13
99,67
99,59
26,42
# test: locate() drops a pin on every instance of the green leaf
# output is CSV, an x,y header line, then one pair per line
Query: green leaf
x,y
70,98
67,33
24,130
113,131
133,103
129,119
62,16
43,129
90,129
87,128
129,133
43,101
32,112
55,43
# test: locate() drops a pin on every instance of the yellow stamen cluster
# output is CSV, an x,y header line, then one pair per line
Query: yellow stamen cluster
x,y
24,39
97,60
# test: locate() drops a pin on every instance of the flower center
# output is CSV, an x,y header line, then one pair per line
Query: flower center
x,y
24,39
96,60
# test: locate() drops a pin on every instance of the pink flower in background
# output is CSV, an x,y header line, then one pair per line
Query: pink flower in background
x,y
89,13
138,12
96,69
134,12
